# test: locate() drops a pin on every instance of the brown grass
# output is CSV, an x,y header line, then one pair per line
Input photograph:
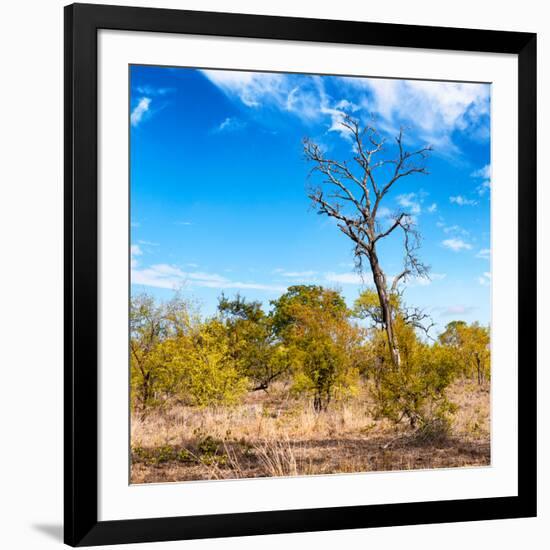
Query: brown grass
x,y
274,435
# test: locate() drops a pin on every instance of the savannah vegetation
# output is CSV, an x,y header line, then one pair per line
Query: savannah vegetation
x,y
312,384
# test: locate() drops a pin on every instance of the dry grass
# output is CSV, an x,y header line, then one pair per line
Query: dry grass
x,y
274,435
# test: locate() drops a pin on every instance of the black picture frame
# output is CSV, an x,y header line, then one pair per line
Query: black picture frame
x,y
82,22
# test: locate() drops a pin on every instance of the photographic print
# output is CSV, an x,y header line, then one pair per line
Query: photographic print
x,y
310,274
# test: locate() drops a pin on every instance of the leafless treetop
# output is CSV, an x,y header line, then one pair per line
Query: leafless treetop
x,y
356,190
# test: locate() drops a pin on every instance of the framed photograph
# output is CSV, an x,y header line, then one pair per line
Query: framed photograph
x,y
300,261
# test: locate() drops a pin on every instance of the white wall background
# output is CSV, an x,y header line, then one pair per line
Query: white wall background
x,y
31,281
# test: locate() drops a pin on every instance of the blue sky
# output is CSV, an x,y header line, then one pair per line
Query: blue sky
x,y
219,185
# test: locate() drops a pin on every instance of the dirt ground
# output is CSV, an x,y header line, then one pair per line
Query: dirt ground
x,y
275,435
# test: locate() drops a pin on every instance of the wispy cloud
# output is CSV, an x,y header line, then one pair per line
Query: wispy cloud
x,y
484,253
229,124
314,277
383,212
143,108
432,208
456,244
296,274
303,96
435,109
183,223
454,229
410,202
483,187
484,174
135,250
462,201
426,281
253,89
172,277
139,110
485,279
348,278
148,90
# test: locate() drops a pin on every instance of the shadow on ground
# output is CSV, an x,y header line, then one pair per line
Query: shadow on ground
x,y
52,530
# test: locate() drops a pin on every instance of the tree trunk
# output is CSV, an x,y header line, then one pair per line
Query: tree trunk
x,y
479,371
317,405
145,391
387,320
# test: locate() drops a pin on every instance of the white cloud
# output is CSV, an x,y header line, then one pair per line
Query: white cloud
x,y
255,286
450,228
206,279
172,277
484,253
462,201
425,281
297,274
253,89
432,208
314,277
484,187
304,101
454,229
229,124
448,103
158,276
139,110
410,202
303,96
485,279
412,220
347,105
456,245
148,90
435,109
336,111
484,172
336,119
183,223
383,212
135,250
224,124
348,278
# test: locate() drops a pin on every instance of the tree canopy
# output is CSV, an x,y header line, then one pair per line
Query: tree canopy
x,y
309,339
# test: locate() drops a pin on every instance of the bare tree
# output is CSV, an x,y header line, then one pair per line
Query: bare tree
x,y
353,197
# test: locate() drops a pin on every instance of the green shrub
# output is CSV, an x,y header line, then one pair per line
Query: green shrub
x,y
417,390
